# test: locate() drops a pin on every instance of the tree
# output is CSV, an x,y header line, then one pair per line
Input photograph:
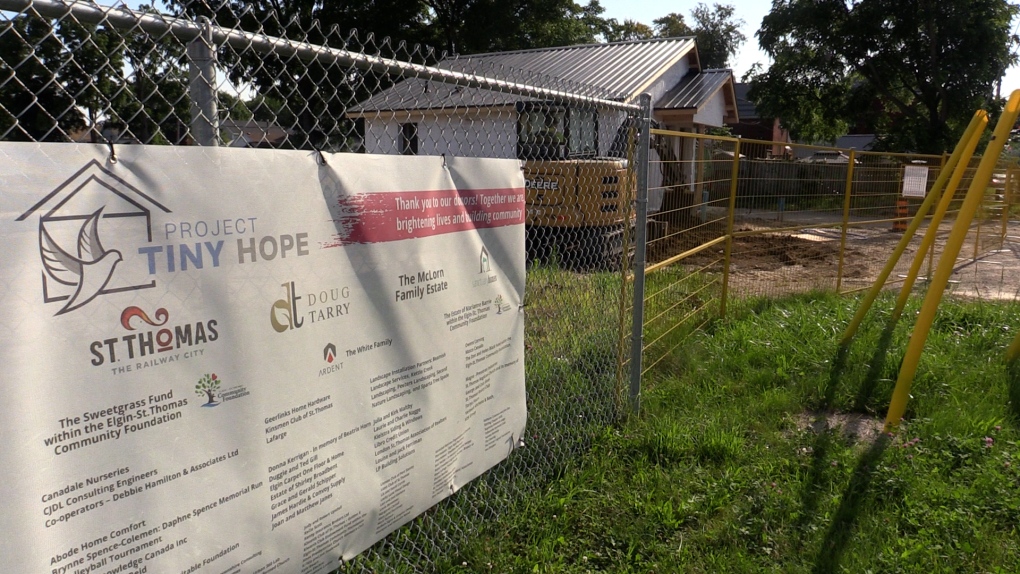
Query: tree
x,y
498,25
914,71
718,34
672,25
628,30
208,385
34,105
93,68
158,109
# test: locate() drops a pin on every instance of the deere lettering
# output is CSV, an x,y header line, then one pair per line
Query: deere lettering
x,y
541,184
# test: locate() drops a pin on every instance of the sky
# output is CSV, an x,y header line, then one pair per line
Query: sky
x,y
750,11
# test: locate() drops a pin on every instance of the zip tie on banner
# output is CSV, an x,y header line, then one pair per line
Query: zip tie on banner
x,y
443,155
320,158
113,152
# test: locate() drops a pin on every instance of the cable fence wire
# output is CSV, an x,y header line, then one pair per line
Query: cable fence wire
x,y
210,75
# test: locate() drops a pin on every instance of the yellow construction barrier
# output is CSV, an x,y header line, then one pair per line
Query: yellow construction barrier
x,y
901,394
961,156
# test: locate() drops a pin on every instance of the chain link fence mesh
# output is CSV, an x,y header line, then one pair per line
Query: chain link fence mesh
x,y
212,74
729,219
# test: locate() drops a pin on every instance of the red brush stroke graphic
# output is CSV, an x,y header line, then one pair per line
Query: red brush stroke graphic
x,y
393,216
131,312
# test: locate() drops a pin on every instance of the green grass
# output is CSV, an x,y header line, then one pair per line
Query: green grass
x,y
723,473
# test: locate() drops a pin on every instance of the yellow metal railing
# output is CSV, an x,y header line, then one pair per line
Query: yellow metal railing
x,y
735,218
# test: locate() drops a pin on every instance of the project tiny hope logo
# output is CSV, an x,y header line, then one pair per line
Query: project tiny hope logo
x,y
90,230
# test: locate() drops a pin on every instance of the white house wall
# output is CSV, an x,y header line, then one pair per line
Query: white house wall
x,y
713,112
485,134
609,124
492,133
668,80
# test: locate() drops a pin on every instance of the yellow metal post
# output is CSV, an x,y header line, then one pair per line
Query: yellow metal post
x,y
1005,207
927,247
908,368
1010,174
973,132
977,233
734,177
846,217
1014,349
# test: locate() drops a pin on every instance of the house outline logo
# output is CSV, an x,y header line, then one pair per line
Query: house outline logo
x,y
483,261
329,353
84,224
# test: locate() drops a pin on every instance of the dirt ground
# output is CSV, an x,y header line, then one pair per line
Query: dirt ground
x,y
780,262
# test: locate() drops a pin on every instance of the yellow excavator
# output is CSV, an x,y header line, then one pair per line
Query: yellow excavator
x,y
576,201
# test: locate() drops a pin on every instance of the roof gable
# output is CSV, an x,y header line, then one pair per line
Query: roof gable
x,y
697,89
618,70
621,69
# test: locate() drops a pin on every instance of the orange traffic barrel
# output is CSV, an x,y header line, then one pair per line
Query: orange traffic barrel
x,y
902,213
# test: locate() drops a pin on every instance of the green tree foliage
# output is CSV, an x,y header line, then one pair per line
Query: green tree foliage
x,y
718,34
911,70
628,30
497,25
34,104
93,71
208,385
59,78
672,25
158,110
715,29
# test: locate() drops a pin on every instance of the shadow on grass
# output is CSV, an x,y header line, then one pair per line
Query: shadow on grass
x,y
820,448
1013,388
851,504
874,374
835,376
824,442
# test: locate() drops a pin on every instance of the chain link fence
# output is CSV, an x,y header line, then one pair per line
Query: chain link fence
x,y
213,76
728,219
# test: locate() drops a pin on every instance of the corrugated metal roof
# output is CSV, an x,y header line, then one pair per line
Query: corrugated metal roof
x,y
419,94
694,90
617,70
620,68
745,107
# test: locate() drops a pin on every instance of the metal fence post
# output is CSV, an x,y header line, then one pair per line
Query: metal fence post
x,y
730,216
641,241
205,123
846,217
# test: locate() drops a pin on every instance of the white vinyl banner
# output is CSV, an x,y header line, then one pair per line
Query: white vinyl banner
x,y
248,361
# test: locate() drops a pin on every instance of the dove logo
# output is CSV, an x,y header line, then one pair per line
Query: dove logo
x,y
90,227
88,269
